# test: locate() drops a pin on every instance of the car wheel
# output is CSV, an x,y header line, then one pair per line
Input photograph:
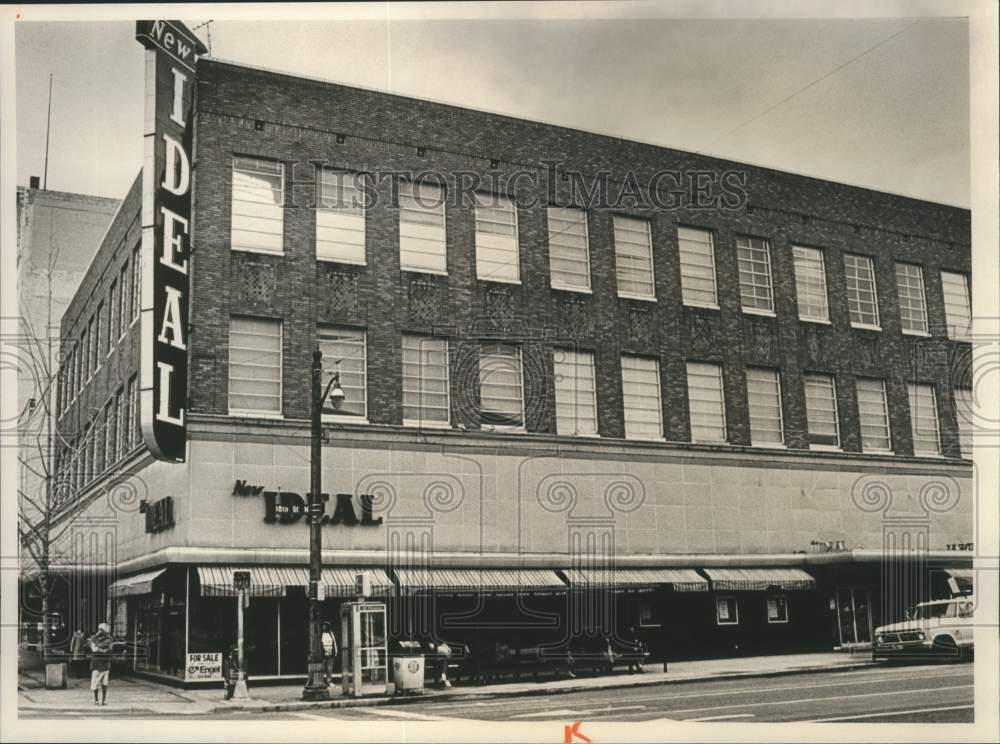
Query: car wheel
x,y
945,646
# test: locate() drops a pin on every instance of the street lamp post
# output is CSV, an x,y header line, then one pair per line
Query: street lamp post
x,y
316,688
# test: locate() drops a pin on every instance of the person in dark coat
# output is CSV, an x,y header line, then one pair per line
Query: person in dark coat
x,y
100,662
231,670
636,653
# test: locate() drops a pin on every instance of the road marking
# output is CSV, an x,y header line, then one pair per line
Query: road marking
x,y
313,716
719,718
888,713
565,712
412,715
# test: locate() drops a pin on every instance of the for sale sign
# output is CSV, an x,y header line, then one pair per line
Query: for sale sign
x,y
204,666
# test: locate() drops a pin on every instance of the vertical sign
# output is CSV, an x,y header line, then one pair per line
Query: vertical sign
x,y
171,54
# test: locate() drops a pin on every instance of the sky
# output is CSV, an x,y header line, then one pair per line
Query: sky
x,y
882,103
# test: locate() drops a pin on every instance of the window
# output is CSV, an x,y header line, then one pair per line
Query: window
x,y
957,305
634,258
862,298
421,228
254,366
647,616
754,258
258,205
706,403
121,424
576,393
501,386
726,611
340,217
764,399
924,419
874,415
697,256
965,412
133,435
86,468
641,398
344,352
569,249
496,239
123,296
89,350
112,316
136,280
777,608
97,335
821,410
810,284
912,305
425,381
110,433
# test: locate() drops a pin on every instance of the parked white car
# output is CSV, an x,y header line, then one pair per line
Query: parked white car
x,y
940,628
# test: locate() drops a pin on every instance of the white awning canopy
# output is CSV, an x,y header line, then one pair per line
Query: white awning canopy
x,y
272,581
131,586
681,579
484,581
759,579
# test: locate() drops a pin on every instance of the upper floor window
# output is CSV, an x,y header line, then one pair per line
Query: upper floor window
x,y
501,387
422,228
425,381
697,257
641,397
112,315
924,419
133,435
965,412
98,331
634,258
706,402
254,365
821,410
862,297
754,259
258,205
340,217
121,438
110,449
912,304
810,284
576,393
569,250
90,345
123,300
497,256
136,280
957,305
764,400
345,351
873,411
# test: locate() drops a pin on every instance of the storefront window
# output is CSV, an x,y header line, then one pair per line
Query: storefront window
x,y
777,608
726,612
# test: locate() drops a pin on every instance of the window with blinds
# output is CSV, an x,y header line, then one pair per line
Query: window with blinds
x,y
633,258
344,352
912,303
810,284
497,257
258,205
422,244
924,419
706,402
569,249
425,381
340,217
764,401
873,411
254,365
821,410
862,297
965,412
697,258
957,305
501,387
641,397
754,259
136,280
576,393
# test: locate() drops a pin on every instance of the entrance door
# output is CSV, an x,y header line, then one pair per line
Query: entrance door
x,y
854,615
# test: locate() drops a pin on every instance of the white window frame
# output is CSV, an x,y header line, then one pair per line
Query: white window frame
x,y
622,220
555,238
406,191
659,399
913,389
124,302
902,281
343,217
113,303
805,259
251,412
427,423
698,370
820,446
877,325
781,414
686,240
280,207
136,302
962,329
747,248
487,240
496,347
767,610
885,415
735,619
965,412
347,418
575,359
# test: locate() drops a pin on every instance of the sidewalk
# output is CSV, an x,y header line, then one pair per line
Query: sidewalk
x,y
129,695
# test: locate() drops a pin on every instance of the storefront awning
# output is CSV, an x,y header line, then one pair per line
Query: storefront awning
x,y
759,579
682,579
478,580
217,581
962,576
339,582
133,585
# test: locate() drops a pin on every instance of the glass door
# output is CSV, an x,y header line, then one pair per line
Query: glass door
x,y
854,616
373,647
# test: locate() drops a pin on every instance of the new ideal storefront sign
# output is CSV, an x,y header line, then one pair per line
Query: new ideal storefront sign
x,y
171,55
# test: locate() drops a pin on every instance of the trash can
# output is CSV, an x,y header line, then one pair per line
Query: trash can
x,y
408,666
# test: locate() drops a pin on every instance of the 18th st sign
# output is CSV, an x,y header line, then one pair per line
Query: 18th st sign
x,y
171,55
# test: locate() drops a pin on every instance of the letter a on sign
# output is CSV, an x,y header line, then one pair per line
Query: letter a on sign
x,y
171,58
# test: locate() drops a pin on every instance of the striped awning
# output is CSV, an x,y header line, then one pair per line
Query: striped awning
x,y
271,581
131,586
759,579
487,581
682,579
339,582
962,576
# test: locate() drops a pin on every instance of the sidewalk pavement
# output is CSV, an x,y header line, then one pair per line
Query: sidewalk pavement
x,y
136,696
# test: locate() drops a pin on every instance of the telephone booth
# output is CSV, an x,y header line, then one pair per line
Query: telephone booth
x,y
364,648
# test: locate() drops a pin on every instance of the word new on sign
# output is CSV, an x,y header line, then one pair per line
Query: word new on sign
x,y
171,55
286,507
159,514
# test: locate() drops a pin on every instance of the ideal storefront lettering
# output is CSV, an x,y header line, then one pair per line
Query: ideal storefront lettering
x,y
159,515
287,507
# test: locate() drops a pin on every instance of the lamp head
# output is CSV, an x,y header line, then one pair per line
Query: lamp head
x,y
337,395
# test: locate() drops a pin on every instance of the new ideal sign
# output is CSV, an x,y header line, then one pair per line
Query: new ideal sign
x,y
171,54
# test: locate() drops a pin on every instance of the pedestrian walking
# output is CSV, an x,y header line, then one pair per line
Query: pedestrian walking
x,y
330,653
231,670
637,652
100,662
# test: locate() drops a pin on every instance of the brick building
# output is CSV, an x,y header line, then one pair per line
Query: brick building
x,y
723,405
